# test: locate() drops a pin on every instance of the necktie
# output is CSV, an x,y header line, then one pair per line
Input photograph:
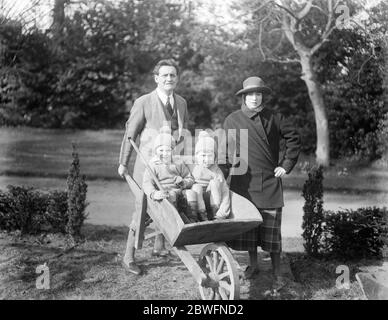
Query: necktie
x,y
169,106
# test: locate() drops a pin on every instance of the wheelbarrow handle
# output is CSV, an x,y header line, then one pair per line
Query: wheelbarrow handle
x,y
147,165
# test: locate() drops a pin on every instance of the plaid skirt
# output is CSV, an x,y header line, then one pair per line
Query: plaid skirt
x,y
267,235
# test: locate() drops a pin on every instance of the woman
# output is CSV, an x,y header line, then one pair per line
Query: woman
x,y
261,182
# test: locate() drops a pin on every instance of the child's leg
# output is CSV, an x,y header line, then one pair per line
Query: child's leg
x,y
214,197
215,192
175,197
192,206
201,207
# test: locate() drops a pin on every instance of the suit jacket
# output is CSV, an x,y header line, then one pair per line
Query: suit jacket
x,y
146,118
265,130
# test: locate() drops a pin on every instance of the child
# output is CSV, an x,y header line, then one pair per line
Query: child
x,y
211,189
172,173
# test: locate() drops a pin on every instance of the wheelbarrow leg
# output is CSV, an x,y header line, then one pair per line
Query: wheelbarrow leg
x,y
139,220
191,264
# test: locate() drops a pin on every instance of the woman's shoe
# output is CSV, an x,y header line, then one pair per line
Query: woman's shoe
x,y
250,272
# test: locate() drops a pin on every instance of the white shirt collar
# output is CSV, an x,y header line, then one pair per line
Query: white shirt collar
x,y
163,97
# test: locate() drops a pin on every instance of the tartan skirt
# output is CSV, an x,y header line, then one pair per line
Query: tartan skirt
x,y
267,235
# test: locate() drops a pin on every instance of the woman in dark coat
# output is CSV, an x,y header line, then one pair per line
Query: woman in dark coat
x,y
261,182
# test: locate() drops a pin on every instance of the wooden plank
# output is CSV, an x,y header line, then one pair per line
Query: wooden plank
x,y
136,190
191,264
168,221
213,231
152,234
242,208
166,218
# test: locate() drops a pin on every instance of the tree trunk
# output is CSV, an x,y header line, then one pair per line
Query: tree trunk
x,y
58,18
321,121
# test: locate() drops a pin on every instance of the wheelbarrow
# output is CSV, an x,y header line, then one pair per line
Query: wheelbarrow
x,y
215,271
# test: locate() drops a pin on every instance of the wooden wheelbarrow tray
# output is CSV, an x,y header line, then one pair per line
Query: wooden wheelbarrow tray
x,y
215,271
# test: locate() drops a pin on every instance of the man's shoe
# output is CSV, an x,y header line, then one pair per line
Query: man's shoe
x,y
162,253
132,267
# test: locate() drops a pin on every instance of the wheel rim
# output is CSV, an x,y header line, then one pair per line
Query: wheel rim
x,y
218,264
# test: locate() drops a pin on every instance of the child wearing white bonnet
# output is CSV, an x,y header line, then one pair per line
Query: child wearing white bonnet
x,y
211,190
171,172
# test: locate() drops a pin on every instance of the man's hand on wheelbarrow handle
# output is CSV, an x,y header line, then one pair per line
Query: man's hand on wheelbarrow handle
x,y
122,171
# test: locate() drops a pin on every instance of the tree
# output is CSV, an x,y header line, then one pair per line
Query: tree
x,y
305,25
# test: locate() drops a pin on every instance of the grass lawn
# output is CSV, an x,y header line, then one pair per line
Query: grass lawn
x,y
47,153
93,271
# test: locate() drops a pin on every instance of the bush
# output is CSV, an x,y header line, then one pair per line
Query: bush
x,y
7,221
347,234
76,198
313,211
32,211
56,212
353,234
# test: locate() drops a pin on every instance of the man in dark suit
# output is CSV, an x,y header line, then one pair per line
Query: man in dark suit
x,y
149,113
261,181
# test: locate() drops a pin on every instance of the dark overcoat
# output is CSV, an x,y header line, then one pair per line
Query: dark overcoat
x,y
265,131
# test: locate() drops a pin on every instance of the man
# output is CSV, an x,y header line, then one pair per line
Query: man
x,y
149,113
261,183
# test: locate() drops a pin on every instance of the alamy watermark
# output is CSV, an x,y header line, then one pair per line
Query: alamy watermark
x,y
342,281
232,146
43,280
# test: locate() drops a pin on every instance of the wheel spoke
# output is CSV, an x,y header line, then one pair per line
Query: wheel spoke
x,y
220,265
215,260
223,275
212,293
225,285
223,294
217,297
209,261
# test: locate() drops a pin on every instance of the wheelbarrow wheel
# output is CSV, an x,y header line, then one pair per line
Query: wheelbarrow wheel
x,y
219,266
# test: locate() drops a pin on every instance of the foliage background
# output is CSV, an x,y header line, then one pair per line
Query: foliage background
x,y
89,76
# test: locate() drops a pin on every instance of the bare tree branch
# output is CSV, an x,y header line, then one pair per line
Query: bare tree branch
x,y
306,9
328,28
287,30
285,61
330,16
283,7
319,9
324,39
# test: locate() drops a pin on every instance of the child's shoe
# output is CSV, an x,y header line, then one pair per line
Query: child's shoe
x,y
202,216
191,211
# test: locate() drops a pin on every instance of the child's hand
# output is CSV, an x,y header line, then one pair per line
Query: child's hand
x,y
160,195
179,181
